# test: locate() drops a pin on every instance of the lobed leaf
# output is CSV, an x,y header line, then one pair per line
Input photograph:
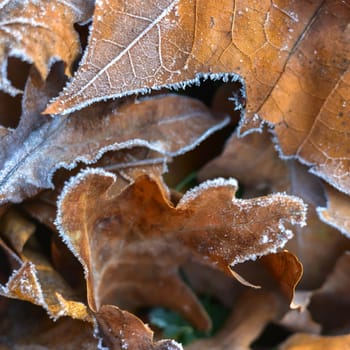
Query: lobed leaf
x,y
168,124
292,58
29,32
242,156
33,278
148,238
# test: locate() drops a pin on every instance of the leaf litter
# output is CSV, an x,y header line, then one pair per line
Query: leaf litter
x,y
285,67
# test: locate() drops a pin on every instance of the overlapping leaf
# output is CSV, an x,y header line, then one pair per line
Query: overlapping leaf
x,y
337,211
33,278
292,61
27,327
256,151
253,311
40,145
332,298
143,228
293,56
28,32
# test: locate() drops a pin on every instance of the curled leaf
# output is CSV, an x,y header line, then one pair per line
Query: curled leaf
x,y
33,278
207,225
292,59
41,144
254,161
28,32
123,330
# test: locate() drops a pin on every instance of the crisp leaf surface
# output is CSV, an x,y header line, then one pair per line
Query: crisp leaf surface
x,y
33,277
293,57
142,226
40,145
40,32
242,156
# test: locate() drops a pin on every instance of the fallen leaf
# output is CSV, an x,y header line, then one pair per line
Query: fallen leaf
x,y
292,59
33,278
27,327
161,237
240,159
287,271
123,330
337,211
40,32
251,313
169,124
254,161
316,342
170,41
329,305
276,273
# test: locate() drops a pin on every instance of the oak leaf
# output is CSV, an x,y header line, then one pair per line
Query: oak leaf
x,y
292,58
242,156
122,330
33,278
143,228
28,31
40,145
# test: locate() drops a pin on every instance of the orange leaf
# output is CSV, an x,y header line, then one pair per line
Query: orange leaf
x,y
33,278
148,238
41,144
40,32
254,161
292,58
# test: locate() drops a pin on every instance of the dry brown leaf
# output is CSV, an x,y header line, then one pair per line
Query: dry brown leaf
x,y
337,211
316,342
251,313
287,271
123,330
40,32
33,278
293,57
255,163
24,326
300,321
40,145
141,227
170,41
330,305
277,273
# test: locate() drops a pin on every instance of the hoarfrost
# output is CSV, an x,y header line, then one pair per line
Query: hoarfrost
x,y
69,185
39,174
196,81
284,234
204,186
